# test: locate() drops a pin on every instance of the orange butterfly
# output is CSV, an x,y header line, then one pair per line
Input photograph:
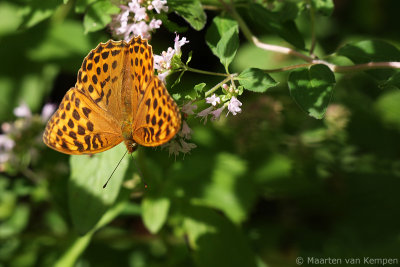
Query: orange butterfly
x,y
116,98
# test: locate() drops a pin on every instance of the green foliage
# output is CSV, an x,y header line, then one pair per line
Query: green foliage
x,y
312,89
276,22
256,80
223,39
98,15
262,187
88,201
191,11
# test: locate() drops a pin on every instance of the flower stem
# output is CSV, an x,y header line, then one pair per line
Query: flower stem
x,y
206,72
216,87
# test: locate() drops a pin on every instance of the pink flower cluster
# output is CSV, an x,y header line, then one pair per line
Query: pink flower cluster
x,y
233,107
162,63
137,19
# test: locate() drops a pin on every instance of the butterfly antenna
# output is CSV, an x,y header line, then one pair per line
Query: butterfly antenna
x,y
140,173
104,186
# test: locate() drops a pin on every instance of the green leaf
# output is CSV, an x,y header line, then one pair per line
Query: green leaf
x,y
221,193
9,18
198,88
388,108
37,11
312,89
372,51
274,23
215,240
191,10
82,5
223,39
88,201
154,213
256,80
323,7
99,15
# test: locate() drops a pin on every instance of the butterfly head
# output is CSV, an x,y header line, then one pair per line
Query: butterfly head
x,y
130,145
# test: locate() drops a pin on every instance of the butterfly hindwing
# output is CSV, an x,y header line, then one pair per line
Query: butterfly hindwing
x,y
80,127
158,118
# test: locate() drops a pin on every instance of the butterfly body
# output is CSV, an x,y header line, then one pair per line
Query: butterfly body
x,y
116,98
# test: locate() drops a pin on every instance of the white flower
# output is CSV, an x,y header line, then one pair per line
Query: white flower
x,y
185,132
186,147
173,147
204,113
163,76
179,43
155,24
234,106
217,113
159,5
213,100
47,111
6,145
22,111
163,62
140,14
188,108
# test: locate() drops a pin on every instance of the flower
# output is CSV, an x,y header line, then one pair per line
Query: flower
x,y
137,19
234,106
159,5
217,113
204,113
185,132
47,111
213,100
186,147
162,63
22,111
179,43
188,108
6,145
173,147
155,24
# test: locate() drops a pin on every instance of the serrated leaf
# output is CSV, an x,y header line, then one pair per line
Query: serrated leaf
x,y
98,15
274,23
372,51
223,39
88,201
323,7
154,213
312,89
256,80
191,10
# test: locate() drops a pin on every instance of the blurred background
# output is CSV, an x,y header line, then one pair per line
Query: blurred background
x,y
261,188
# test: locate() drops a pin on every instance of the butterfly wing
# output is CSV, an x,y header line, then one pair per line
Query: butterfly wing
x,y
79,126
155,115
158,118
101,76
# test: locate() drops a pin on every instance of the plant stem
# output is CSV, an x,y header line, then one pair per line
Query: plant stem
x,y
313,37
216,87
367,66
205,72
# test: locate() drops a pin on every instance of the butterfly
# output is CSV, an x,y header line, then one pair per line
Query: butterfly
x,y
116,98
